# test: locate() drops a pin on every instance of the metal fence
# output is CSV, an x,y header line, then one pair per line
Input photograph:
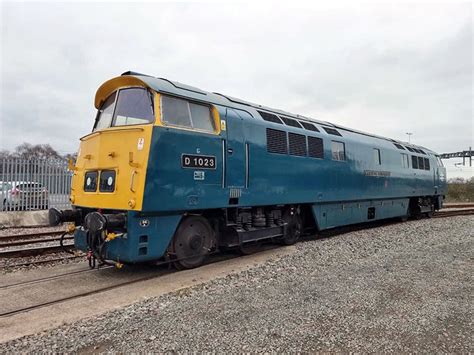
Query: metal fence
x,y
27,185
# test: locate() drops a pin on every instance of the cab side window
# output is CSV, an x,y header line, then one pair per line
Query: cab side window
x,y
104,116
182,113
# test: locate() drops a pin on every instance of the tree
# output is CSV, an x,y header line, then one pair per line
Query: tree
x,y
37,151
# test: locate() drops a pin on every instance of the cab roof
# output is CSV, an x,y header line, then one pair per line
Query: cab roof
x,y
162,85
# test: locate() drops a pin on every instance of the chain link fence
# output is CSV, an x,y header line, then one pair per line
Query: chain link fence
x,y
34,184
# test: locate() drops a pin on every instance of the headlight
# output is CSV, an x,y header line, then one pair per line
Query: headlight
x,y
107,181
90,181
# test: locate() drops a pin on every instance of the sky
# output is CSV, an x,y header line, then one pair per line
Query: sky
x,y
387,68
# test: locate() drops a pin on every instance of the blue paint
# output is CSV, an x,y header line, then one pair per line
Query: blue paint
x,y
339,192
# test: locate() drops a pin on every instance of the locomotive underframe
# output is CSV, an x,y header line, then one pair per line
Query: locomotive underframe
x,y
144,237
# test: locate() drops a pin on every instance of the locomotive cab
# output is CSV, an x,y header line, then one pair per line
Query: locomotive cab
x,y
112,160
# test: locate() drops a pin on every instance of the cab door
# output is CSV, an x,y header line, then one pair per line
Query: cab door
x,y
234,152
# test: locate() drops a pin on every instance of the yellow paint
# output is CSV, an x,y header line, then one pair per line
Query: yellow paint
x,y
124,149
111,236
95,154
113,84
70,228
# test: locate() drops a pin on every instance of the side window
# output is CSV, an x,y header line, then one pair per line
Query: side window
x,y
201,117
414,162
377,159
175,111
104,116
179,112
338,150
405,161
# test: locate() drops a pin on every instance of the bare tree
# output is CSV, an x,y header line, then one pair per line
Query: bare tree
x,y
37,151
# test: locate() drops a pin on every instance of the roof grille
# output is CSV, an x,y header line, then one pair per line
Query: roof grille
x,y
309,126
276,141
290,122
270,117
399,146
297,144
315,147
332,131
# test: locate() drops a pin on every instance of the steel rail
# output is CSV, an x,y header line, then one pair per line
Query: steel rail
x,y
15,253
34,241
38,262
29,235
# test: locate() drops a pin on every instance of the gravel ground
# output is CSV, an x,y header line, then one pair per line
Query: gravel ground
x,y
7,265
404,287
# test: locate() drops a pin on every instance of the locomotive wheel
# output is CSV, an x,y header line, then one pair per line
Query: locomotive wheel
x,y
192,242
294,228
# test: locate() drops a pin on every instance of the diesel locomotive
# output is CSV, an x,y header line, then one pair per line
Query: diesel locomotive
x,y
171,172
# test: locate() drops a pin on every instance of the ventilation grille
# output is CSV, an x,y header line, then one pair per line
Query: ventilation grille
x,y
310,126
421,151
290,122
399,146
427,164
276,141
332,131
315,147
410,150
297,144
270,117
421,163
235,193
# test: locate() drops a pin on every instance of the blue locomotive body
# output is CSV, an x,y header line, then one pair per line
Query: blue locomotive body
x,y
253,173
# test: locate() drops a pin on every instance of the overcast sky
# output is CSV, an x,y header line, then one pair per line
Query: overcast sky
x,y
385,69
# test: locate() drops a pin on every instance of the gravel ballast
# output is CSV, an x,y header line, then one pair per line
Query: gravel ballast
x,y
401,287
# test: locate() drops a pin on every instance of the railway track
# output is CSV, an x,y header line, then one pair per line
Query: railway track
x,y
32,240
28,236
40,262
35,238
34,251
453,213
